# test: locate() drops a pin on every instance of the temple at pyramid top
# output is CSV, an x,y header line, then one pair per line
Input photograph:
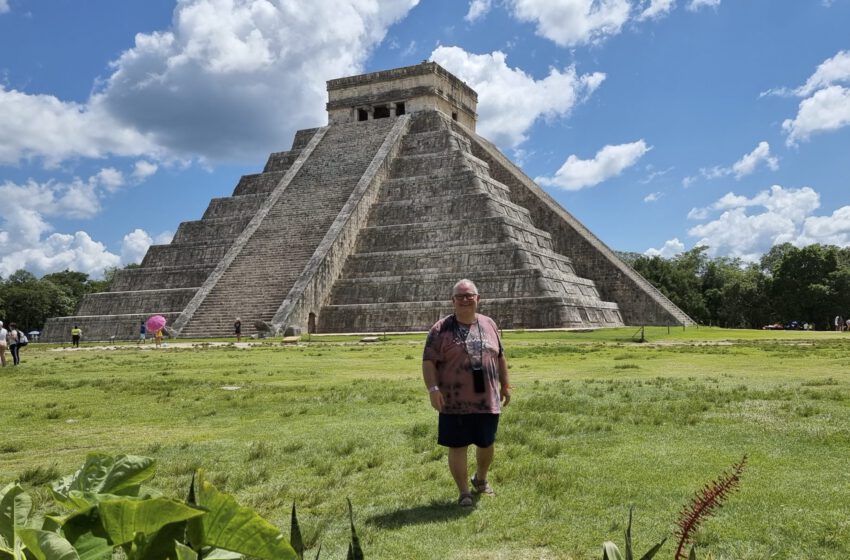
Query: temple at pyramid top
x,y
392,93
365,224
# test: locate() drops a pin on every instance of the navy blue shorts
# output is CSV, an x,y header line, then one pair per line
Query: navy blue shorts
x,y
460,430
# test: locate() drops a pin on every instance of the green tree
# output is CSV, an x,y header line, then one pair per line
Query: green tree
x,y
804,284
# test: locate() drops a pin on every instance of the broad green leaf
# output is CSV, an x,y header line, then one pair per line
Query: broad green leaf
x,y
123,518
85,532
610,551
221,554
45,545
233,527
184,552
160,544
15,507
7,554
103,474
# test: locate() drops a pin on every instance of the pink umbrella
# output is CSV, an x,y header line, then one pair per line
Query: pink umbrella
x,y
155,323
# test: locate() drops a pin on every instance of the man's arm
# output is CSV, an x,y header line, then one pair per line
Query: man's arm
x,y
429,375
505,391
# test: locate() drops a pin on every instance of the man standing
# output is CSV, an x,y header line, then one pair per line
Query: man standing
x,y
466,374
143,332
76,332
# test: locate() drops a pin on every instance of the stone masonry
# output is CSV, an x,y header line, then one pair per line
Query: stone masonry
x,y
365,225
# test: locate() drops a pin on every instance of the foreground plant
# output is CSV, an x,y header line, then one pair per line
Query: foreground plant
x,y
704,504
107,511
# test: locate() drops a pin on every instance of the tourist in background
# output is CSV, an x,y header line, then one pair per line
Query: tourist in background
x,y
237,328
3,334
465,371
157,337
76,333
16,340
143,332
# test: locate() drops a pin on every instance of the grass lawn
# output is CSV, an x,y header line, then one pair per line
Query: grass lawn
x,y
598,423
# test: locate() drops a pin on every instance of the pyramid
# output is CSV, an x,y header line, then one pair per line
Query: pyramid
x,y
366,224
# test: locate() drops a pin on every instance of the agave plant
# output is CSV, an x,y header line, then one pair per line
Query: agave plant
x,y
611,552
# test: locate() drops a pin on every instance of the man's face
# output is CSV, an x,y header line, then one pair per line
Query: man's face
x,y
465,298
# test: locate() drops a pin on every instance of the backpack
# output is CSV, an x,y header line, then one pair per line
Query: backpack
x,y
22,339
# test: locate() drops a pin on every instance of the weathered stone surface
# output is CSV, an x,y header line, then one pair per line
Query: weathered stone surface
x,y
365,225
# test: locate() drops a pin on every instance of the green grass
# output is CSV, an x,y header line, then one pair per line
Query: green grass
x,y
598,423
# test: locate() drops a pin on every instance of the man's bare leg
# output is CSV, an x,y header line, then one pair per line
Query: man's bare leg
x,y
458,468
483,459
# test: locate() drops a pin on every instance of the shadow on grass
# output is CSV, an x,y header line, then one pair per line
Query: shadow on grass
x,y
435,511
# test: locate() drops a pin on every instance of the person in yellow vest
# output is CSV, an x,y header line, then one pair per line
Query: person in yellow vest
x,y
157,337
76,333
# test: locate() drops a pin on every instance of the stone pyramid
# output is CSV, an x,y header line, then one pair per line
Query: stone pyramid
x,y
365,225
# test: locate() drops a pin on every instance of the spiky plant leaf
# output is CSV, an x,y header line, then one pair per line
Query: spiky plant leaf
x,y
610,551
295,539
356,551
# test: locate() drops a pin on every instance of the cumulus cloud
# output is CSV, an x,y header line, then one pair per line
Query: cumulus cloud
x,y
43,126
828,109
695,5
143,169
610,161
76,251
509,100
4,6
477,10
656,9
574,22
826,103
232,79
27,238
746,165
671,248
747,227
227,80
653,197
134,246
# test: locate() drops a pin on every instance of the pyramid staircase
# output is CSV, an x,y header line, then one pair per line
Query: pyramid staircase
x,y
438,218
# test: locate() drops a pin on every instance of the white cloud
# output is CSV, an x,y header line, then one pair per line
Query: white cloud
x,y
509,100
42,126
653,197
748,227
134,246
828,109
574,22
657,9
741,168
4,6
477,10
77,252
227,80
747,164
831,71
110,178
609,162
695,5
671,248
144,169
233,79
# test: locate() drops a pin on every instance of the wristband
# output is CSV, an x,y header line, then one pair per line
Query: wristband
x,y
433,389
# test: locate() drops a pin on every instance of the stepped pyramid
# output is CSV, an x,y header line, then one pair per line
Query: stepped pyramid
x,y
365,225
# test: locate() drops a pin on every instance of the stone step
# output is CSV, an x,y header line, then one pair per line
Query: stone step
x,y
258,183
447,207
234,206
509,313
220,229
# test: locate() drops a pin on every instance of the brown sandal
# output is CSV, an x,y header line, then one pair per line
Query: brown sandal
x,y
465,500
482,486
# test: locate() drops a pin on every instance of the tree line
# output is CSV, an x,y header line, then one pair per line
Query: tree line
x,y
804,284
788,284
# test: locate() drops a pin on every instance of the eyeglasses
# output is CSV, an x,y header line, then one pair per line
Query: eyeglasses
x,y
464,296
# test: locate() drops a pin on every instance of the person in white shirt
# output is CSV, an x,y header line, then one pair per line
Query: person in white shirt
x,y
3,334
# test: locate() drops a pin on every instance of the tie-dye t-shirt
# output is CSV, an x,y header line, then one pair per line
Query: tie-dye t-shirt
x,y
454,349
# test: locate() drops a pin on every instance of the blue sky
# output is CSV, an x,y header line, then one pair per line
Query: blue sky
x,y
660,124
